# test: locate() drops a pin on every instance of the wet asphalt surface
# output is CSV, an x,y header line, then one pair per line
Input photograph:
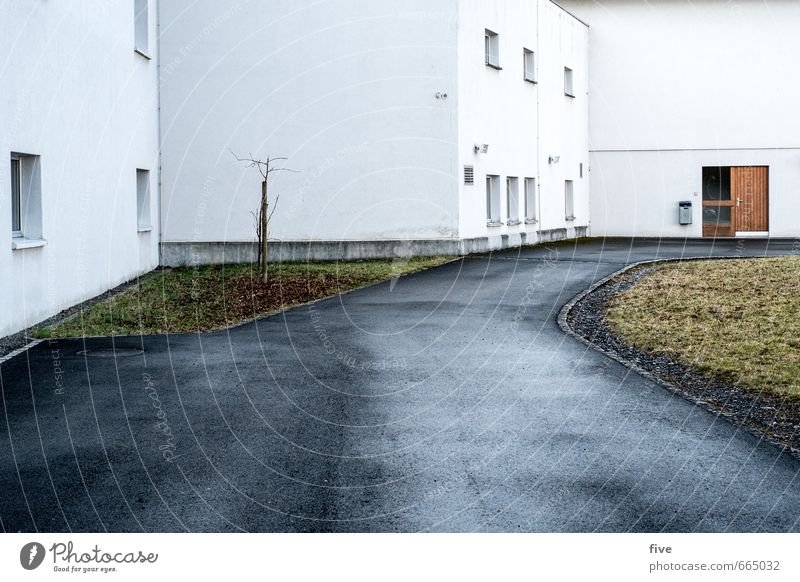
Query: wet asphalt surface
x,y
447,401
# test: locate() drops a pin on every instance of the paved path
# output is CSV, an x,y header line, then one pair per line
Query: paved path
x,y
449,401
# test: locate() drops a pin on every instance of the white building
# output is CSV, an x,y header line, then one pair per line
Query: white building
x,y
414,127
379,107
79,138
684,89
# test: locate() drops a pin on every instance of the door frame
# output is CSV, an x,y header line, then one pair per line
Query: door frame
x,y
737,204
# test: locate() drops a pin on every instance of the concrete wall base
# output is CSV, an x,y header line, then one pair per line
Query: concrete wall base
x,y
183,254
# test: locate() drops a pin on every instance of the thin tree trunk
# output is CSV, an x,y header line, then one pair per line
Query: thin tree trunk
x,y
259,247
264,233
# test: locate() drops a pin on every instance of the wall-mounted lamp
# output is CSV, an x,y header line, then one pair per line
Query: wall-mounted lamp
x,y
554,159
481,148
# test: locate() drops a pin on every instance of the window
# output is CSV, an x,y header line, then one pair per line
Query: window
x,y
718,216
512,201
716,184
530,200
529,64
492,40
16,203
569,89
141,26
143,200
493,200
569,195
26,205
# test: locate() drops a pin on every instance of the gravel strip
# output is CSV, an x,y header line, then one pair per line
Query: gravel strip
x,y
17,341
774,419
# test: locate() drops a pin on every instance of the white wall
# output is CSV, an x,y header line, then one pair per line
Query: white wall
x,y
496,107
523,123
75,94
676,85
637,193
345,89
564,120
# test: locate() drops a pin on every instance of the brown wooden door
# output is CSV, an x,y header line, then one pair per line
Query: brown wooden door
x,y
750,193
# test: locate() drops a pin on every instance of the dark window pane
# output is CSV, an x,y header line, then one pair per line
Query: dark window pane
x,y
720,215
16,223
716,184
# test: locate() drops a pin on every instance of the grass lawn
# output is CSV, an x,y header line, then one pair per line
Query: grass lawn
x,y
736,320
209,298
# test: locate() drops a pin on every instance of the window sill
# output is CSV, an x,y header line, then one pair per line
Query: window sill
x,y
20,244
142,54
531,221
531,81
495,67
513,222
570,95
144,229
490,224
571,219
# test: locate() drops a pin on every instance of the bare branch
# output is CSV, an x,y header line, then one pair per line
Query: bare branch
x,y
283,170
264,166
274,207
238,159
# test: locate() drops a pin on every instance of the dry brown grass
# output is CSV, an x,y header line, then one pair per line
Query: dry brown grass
x,y
736,320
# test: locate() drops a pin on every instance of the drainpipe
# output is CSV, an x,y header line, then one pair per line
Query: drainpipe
x,y
158,129
538,124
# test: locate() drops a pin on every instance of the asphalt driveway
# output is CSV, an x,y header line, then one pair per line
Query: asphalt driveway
x,y
446,401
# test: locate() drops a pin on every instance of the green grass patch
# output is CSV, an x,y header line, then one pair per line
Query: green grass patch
x,y
209,298
736,320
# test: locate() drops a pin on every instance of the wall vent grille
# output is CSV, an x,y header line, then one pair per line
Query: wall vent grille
x,y
469,175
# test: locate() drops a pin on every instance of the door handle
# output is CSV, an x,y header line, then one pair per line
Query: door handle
x,y
738,203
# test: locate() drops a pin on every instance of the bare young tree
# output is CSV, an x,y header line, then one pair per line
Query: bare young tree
x,y
264,215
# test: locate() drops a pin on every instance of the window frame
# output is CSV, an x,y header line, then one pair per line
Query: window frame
x,y
492,49
30,234
141,30
16,196
531,201
512,201
144,219
569,82
529,75
493,190
569,200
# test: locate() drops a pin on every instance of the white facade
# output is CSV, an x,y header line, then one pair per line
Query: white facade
x,y
395,115
345,90
524,123
378,106
677,86
79,109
